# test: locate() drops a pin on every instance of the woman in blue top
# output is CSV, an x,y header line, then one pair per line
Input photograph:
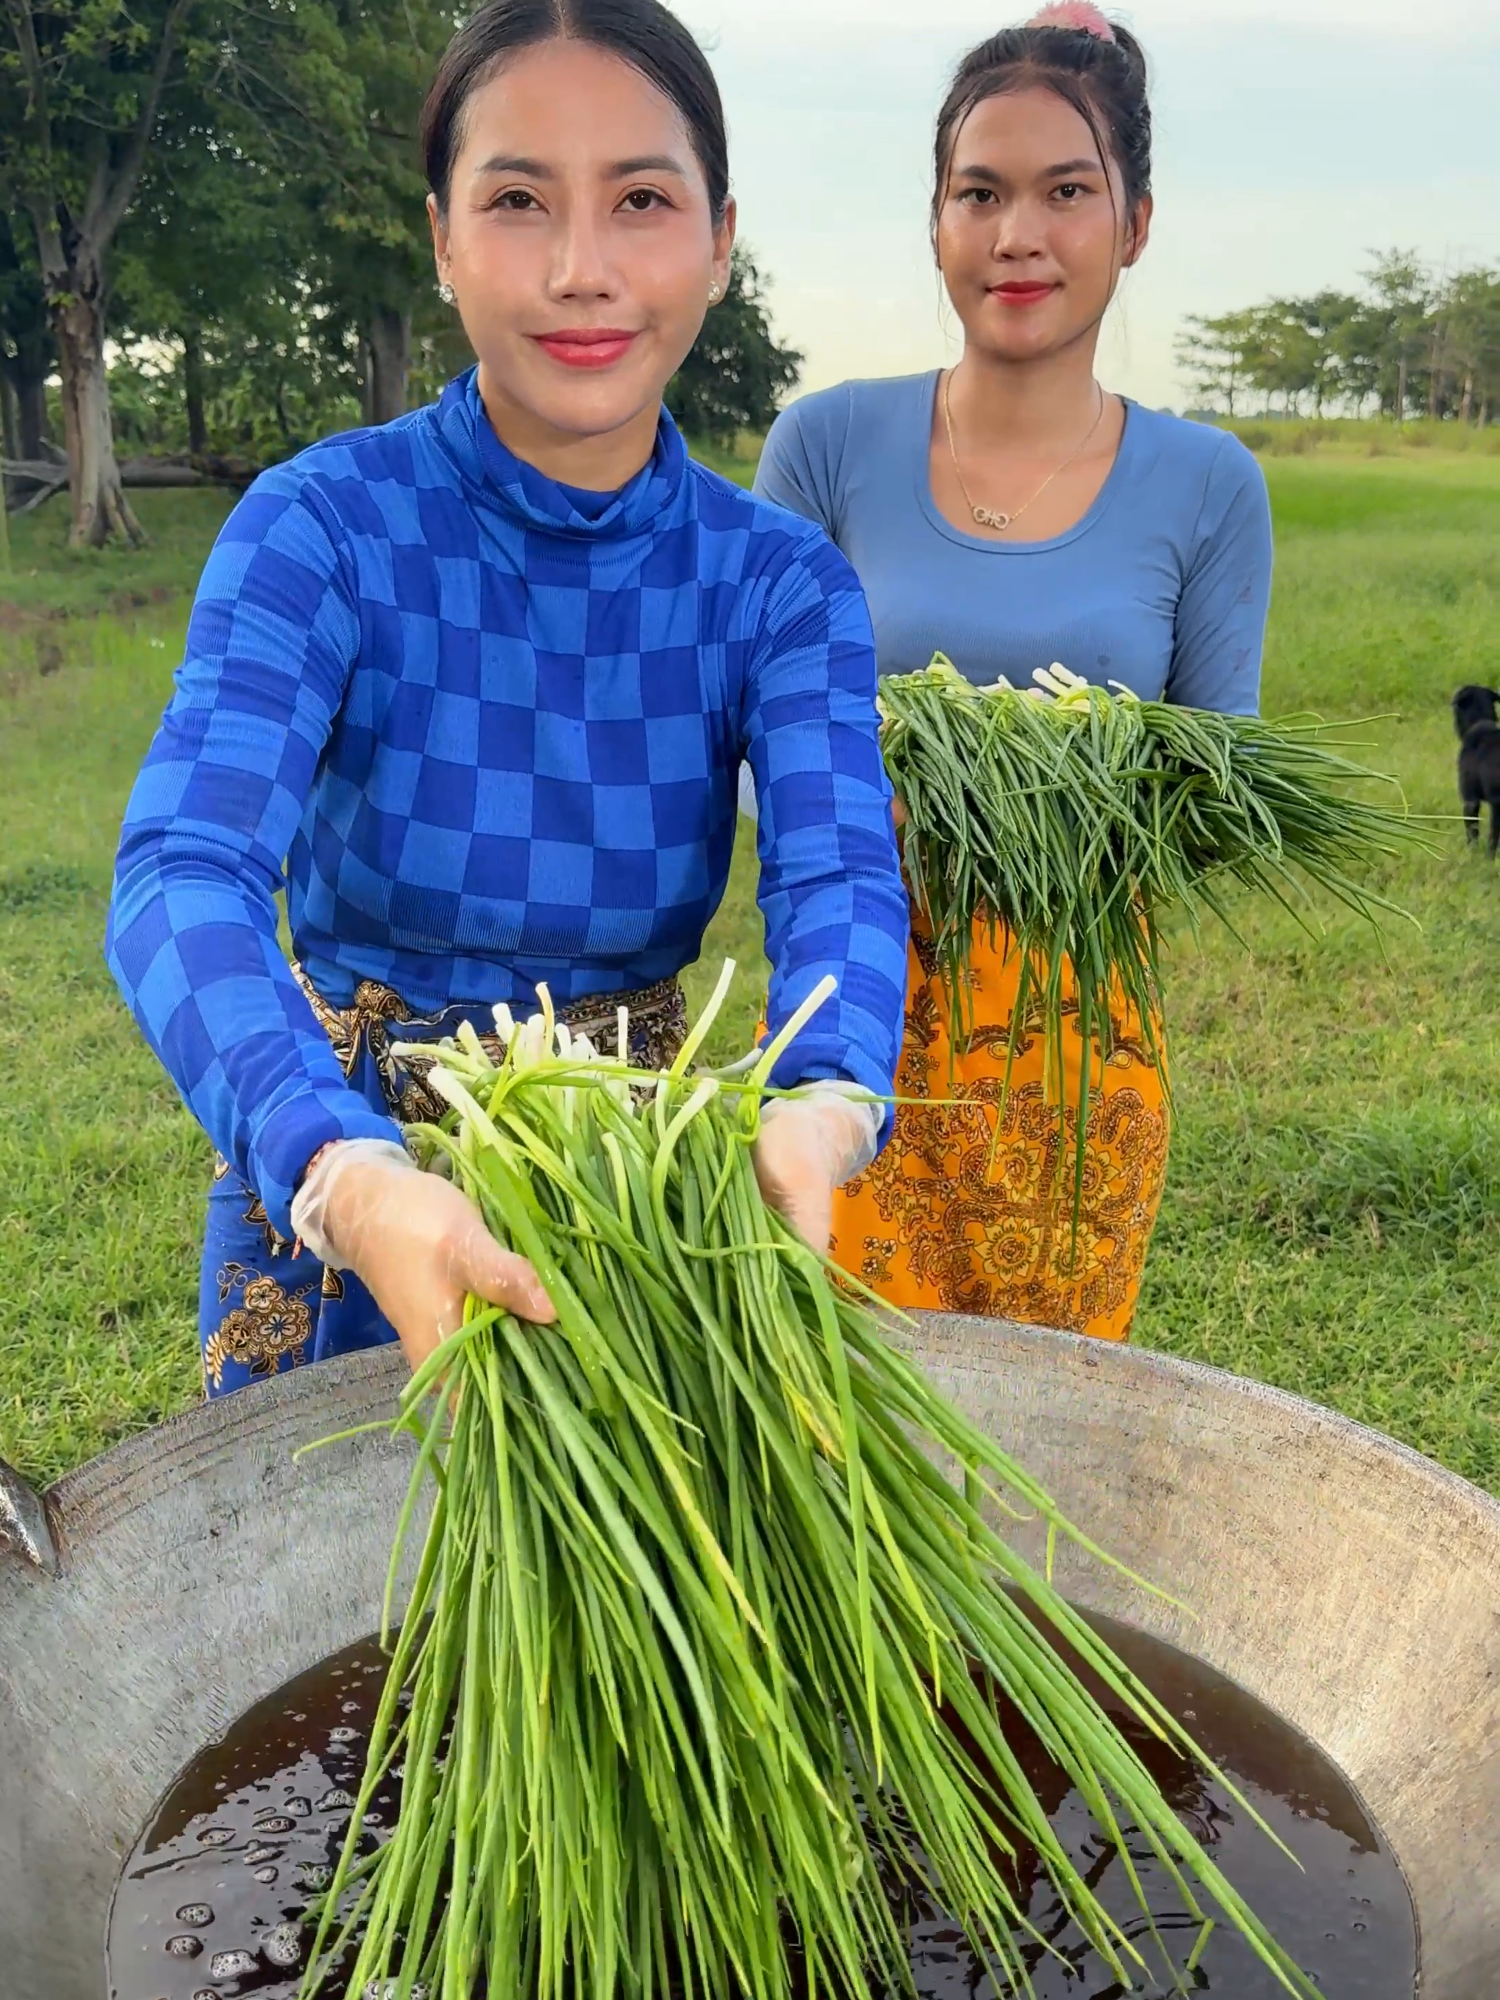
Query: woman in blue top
x,y
474,688
1012,513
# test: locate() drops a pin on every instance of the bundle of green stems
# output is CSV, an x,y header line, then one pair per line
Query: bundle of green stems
x,y
703,1649
1069,828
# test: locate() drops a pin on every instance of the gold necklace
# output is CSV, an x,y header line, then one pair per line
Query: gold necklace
x,y
987,517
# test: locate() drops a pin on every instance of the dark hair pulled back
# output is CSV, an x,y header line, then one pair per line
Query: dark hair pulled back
x,y
1104,81
643,33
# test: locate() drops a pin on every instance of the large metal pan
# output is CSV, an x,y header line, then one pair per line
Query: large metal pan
x,y
1353,1585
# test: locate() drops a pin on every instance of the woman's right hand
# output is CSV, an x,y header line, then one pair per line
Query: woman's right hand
x,y
416,1242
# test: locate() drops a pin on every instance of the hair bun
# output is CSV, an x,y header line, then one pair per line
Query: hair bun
x,y
1082,16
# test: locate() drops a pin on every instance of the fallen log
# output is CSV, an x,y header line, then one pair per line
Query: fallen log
x,y
195,469
29,482
26,483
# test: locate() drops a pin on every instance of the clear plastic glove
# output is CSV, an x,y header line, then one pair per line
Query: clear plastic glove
x,y
417,1243
809,1145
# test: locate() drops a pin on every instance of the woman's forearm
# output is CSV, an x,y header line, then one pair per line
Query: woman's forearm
x,y
830,876
192,943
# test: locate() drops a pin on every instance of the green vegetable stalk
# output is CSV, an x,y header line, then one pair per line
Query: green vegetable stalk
x,y
1073,827
701,1639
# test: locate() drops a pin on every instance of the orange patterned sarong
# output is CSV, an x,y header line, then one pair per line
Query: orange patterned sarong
x,y
955,1216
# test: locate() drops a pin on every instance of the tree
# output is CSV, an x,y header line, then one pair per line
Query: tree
x,y
1358,344
217,297
1319,321
338,261
377,247
211,243
1407,341
1282,357
85,88
1401,301
27,355
1470,318
80,90
1216,354
1283,349
737,373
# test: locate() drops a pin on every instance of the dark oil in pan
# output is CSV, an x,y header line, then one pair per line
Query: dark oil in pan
x,y
212,1903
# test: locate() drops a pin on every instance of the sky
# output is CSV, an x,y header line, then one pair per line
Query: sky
x,y
1292,141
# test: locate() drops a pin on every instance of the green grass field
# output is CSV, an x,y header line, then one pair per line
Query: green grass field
x,y
1336,1167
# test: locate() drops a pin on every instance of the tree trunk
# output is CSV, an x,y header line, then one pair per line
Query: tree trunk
x,y
366,380
10,415
1466,401
30,379
28,369
100,509
31,395
192,392
1401,390
389,339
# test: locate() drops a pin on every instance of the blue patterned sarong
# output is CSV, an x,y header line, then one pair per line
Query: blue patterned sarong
x,y
265,1304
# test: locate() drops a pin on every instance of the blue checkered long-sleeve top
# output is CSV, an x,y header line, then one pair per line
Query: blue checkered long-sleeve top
x,y
485,730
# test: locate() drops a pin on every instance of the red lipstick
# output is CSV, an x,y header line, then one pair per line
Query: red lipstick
x,y
1020,294
587,346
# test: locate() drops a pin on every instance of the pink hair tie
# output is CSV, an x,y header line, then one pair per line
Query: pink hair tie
x,y
1080,15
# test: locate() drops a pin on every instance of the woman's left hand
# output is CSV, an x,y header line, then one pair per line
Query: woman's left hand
x,y
807,1147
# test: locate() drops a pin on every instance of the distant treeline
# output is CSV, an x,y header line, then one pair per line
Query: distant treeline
x,y
1412,343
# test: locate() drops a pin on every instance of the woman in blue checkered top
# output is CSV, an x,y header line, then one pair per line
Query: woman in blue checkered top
x,y
474,688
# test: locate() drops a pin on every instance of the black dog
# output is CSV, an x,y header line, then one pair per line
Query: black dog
x,y
1478,759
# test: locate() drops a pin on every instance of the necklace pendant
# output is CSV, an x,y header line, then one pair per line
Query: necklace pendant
x,y
988,518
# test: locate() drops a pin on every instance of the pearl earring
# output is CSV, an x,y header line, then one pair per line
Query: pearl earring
x,y
446,293
715,293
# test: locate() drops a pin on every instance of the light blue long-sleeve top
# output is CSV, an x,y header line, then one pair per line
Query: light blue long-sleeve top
x,y
1163,585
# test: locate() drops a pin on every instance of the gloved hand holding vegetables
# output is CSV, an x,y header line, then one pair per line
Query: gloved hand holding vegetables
x,y
808,1146
417,1243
